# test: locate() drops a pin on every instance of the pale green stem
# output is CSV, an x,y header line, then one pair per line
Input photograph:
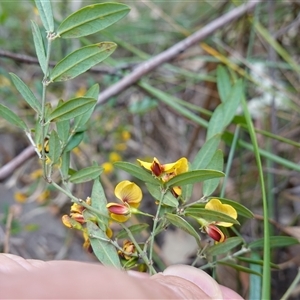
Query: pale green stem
x,y
226,258
142,253
155,222
45,167
78,201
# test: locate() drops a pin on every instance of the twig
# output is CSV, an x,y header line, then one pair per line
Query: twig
x,y
15,163
141,70
23,58
171,53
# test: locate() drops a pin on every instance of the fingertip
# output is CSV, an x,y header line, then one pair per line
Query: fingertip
x,y
198,277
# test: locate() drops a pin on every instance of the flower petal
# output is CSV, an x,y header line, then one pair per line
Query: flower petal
x,y
129,192
155,167
215,233
178,167
217,205
118,209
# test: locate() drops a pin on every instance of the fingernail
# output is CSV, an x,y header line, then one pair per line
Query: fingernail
x,y
198,277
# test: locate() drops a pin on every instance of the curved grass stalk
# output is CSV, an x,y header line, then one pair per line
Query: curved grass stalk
x,y
266,266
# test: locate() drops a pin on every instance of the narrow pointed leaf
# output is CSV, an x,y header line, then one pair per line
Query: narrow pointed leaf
x,y
256,261
63,130
134,229
71,109
99,202
216,163
81,60
193,177
54,147
91,19
39,46
239,268
11,117
156,192
81,120
182,224
136,171
223,83
45,11
223,248
26,93
225,112
275,242
209,215
104,251
206,152
86,174
65,164
75,141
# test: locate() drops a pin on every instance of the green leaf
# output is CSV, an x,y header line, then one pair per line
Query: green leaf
x,y
81,120
65,164
156,192
225,112
239,268
134,229
72,108
223,248
104,251
99,202
182,224
233,102
26,93
11,117
223,83
193,177
54,147
256,261
136,171
74,141
241,209
39,46
206,152
275,242
93,91
209,215
63,130
86,174
216,163
45,11
91,19
81,60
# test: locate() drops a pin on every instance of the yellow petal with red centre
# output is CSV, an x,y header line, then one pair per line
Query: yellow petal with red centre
x,y
217,205
129,192
155,167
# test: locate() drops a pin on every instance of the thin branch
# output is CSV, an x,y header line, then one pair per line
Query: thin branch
x,y
141,70
171,53
15,163
27,59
